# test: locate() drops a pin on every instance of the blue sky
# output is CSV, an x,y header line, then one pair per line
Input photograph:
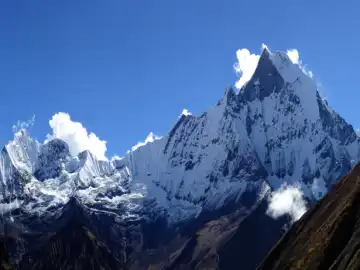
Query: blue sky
x,y
125,68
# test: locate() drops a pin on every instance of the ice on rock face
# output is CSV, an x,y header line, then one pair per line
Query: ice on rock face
x,y
276,130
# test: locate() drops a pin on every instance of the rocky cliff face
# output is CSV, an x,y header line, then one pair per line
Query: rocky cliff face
x,y
276,130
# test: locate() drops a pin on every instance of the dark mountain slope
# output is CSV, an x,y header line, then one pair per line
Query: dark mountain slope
x,y
74,246
238,240
326,237
4,258
253,246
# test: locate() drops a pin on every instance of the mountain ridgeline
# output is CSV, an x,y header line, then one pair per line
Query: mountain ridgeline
x,y
196,198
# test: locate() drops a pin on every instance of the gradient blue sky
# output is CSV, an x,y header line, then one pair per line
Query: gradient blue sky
x,y
125,68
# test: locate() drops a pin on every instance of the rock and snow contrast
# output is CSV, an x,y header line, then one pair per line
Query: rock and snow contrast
x,y
275,131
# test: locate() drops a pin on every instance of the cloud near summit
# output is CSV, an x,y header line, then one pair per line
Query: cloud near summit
x,y
76,136
245,66
247,63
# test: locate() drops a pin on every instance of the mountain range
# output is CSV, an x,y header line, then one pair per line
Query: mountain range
x,y
198,198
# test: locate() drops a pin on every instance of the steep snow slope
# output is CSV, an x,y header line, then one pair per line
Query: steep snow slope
x,y
276,130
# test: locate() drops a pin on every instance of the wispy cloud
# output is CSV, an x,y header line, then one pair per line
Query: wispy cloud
x,y
23,124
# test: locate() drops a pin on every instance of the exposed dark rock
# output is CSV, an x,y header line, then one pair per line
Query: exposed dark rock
x,y
5,263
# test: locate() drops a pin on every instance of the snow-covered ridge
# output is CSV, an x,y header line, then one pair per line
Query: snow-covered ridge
x,y
276,130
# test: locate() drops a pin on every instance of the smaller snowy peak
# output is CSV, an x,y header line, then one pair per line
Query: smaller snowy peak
x,y
182,121
91,167
85,155
23,151
185,112
149,139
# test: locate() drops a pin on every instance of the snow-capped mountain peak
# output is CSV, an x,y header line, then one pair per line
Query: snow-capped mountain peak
x,y
23,151
276,130
276,72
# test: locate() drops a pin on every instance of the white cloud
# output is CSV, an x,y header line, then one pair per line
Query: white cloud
x,y
116,157
293,55
150,138
185,112
23,124
295,58
246,65
287,200
76,136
